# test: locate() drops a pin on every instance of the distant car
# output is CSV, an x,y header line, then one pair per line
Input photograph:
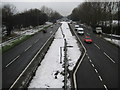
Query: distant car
x,y
80,31
88,39
44,31
98,30
76,26
51,26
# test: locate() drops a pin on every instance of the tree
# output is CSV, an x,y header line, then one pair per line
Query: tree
x,y
32,17
92,13
7,17
52,15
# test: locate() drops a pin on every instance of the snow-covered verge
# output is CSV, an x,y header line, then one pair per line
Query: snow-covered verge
x,y
112,35
30,31
50,74
114,41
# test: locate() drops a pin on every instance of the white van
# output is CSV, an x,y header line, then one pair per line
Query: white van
x,y
80,31
76,26
98,30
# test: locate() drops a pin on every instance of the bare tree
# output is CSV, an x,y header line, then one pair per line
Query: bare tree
x,y
8,11
47,10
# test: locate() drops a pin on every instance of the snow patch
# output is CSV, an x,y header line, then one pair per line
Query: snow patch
x,y
114,41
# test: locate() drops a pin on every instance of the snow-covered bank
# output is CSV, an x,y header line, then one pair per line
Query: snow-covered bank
x,y
50,74
112,35
114,41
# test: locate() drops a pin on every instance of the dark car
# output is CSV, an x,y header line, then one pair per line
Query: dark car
x,y
88,39
44,31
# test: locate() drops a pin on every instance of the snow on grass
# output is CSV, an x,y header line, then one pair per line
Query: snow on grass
x,y
112,35
114,41
50,74
72,52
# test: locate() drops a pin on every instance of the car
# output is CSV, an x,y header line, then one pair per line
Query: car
x,y
88,39
51,26
80,31
44,31
76,26
98,30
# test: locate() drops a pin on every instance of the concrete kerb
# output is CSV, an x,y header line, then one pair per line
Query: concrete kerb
x,y
26,77
83,50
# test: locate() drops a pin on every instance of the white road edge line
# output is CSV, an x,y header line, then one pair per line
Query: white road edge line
x,y
74,77
109,57
12,61
28,48
29,64
97,46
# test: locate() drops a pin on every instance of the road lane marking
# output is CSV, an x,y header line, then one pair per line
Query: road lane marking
x,y
50,31
88,57
96,71
30,62
36,41
109,57
93,65
97,46
100,78
12,61
28,48
90,60
105,87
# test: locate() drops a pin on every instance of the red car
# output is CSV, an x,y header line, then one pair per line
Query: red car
x,y
88,39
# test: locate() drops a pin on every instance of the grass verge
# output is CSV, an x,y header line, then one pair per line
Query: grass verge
x,y
14,43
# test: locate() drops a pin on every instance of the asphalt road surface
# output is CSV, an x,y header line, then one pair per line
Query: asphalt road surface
x,y
16,59
99,68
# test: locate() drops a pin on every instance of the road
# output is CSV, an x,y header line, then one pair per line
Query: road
x,y
99,68
16,59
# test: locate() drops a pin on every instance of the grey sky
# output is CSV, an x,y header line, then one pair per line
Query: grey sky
x,y
64,8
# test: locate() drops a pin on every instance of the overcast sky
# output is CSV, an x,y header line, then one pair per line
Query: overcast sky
x,y
64,7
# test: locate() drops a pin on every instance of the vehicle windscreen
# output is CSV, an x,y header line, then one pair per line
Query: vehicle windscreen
x,y
88,38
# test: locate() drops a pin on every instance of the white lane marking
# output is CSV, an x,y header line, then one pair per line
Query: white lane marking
x,y
29,63
74,77
90,60
105,87
50,31
97,46
109,57
36,40
100,78
28,48
12,61
93,65
96,71
88,57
